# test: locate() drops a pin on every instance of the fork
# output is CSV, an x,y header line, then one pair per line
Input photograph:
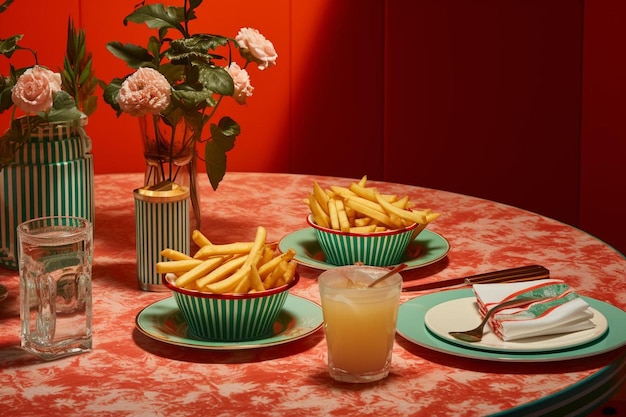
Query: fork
x,y
476,335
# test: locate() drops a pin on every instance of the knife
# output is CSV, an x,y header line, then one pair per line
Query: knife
x,y
522,273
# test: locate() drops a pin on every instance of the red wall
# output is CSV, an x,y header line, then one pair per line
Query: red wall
x,y
517,101
603,150
483,98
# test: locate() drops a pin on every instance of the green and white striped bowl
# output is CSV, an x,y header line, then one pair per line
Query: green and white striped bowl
x,y
373,249
231,317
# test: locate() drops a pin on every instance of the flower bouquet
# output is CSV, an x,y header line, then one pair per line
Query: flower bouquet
x,y
177,87
42,96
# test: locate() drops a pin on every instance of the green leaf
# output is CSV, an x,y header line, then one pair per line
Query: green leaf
x,y
156,16
110,94
193,99
63,108
172,72
194,4
154,48
215,163
134,55
223,137
9,45
90,104
216,79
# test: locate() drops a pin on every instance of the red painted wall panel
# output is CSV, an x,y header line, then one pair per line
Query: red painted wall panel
x,y
483,98
603,152
336,87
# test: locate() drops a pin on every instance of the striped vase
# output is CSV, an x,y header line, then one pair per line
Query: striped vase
x,y
161,222
51,175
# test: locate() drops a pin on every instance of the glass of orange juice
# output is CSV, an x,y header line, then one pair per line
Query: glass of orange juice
x,y
359,321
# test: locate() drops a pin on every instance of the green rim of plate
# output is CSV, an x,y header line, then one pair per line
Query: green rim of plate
x,y
304,242
163,321
411,326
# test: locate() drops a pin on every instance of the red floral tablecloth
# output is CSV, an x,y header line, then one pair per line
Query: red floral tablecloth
x,y
130,374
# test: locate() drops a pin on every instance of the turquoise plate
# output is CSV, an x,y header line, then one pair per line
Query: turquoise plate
x,y
411,326
163,321
429,246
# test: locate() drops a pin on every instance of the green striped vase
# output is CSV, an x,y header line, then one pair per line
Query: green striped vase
x,y
51,175
161,222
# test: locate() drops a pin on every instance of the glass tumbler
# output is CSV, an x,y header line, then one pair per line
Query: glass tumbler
x,y
55,264
359,321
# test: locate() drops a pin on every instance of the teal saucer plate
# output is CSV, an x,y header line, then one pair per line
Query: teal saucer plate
x,y
427,248
164,322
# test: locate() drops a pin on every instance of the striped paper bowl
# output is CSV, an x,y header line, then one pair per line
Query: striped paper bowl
x,y
373,249
231,317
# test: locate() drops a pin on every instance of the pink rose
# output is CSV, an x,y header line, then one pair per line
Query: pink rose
x,y
145,91
34,90
254,47
241,79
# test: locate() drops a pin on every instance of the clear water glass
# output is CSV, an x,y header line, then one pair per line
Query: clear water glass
x,y
55,264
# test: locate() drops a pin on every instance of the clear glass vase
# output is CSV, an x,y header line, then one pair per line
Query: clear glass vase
x,y
170,155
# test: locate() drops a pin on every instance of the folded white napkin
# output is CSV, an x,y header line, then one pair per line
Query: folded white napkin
x,y
563,312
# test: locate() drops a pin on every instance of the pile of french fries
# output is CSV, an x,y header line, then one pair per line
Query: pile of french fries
x,y
360,208
238,268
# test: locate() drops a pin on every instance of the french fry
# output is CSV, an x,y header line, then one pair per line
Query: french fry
x,y
225,249
320,196
174,255
272,279
319,215
230,283
268,255
334,218
198,271
341,191
368,211
290,272
369,193
411,216
222,271
200,239
342,216
374,205
182,265
363,229
267,268
255,280
257,247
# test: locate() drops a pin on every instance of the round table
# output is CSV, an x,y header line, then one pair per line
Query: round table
x,y
129,373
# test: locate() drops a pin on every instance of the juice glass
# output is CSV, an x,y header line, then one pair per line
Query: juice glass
x,y
55,262
359,322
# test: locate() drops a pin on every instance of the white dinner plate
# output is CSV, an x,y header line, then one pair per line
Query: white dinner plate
x,y
163,321
463,314
411,326
431,246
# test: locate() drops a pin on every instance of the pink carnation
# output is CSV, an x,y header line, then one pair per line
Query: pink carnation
x,y
34,90
241,79
255,47
145,91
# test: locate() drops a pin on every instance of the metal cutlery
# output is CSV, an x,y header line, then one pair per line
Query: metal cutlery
x,y
523,273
